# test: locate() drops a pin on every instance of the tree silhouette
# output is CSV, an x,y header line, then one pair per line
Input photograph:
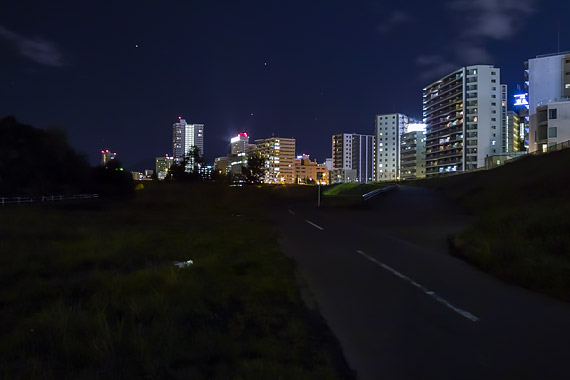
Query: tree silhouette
x,y
39,162
254,170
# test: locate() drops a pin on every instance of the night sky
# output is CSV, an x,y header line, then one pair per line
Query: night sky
x,y
117,74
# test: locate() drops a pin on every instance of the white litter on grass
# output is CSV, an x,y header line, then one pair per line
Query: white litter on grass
x,y
183,264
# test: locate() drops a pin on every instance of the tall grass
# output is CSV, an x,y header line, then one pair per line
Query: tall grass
x,y
522,230
92,292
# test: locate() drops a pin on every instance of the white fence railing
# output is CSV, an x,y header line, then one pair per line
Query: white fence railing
x,y
381,190
46,198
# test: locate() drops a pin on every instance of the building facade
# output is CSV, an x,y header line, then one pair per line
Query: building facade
x,y
506,135
388,129
186,136
552,125
463,113
521,122
162,165
307,171
413,155
547,79
352,158
239,143
363,157
279,156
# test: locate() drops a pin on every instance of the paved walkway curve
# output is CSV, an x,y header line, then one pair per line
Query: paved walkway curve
x,y
402,308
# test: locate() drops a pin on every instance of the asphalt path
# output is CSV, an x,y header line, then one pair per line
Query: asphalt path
x,y
403,308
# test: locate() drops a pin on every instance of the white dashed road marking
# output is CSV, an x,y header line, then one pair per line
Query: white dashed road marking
x,y
314,225
434,295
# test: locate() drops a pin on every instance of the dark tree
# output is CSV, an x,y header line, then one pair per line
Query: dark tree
x,y
188,170
113,179
254,170
39,162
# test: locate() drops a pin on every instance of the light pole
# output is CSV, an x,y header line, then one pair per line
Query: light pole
x,y
319,178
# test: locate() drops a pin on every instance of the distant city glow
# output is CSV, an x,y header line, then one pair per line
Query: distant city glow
x,y
416,127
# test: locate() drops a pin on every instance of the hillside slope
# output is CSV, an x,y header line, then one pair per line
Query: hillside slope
x,y
522,233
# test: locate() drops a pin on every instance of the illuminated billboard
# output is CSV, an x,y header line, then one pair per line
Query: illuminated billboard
x,y
521,100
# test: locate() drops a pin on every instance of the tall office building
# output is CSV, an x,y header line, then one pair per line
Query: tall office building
x,y
388,130
186,136
239,143
547,79
463,113
279,156
363,157
413,152
352,158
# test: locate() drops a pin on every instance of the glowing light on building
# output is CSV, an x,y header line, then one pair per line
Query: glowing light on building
x,y
521,100
416,127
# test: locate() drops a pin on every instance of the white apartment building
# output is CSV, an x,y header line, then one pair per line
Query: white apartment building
x,y
547,81
465,119
387,132
184,137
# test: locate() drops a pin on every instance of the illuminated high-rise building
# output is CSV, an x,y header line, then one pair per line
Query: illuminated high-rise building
x,y
413,152
388,130
240,143
352,158
279,156
465,119
186,136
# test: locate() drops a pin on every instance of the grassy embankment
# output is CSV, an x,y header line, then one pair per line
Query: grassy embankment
x,y
348,194
522,233
89,290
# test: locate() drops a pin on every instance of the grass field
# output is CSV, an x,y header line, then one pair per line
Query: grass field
x,y
522,233
348,194
89,291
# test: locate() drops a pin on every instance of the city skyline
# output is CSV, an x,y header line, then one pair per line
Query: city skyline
x,y
297,70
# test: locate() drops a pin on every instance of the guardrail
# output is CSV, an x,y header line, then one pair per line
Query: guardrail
x,y
46,198
373,193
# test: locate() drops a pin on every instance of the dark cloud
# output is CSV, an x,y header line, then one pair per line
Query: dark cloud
x,y
434,66
496,19
395,18
479,22
36,49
